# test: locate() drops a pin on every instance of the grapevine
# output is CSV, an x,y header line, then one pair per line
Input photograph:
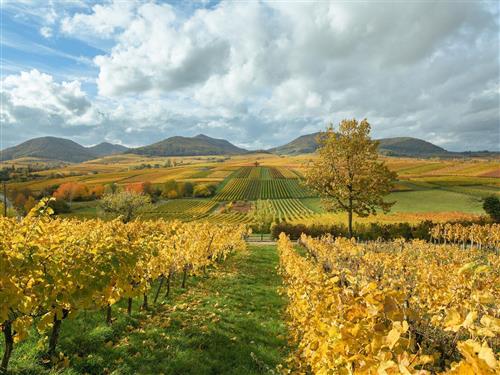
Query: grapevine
x,y
52,269
387,308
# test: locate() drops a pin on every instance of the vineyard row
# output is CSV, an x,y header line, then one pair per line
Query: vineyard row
x,y
264,173
247,189
54,268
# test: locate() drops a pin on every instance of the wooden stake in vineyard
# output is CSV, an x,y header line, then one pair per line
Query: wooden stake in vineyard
x,y
4,199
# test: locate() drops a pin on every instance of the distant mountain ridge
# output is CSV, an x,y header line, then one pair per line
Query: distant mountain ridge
x,y
399,146
305,144
408,146
66,150
106,148
49,148
189,146
62,149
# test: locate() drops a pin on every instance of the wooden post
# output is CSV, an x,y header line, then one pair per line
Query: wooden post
x,y
145,302
108,315
4,199
167,293
162,279
129,306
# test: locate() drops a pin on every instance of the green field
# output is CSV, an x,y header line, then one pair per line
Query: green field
x,y
417,201
435,201
83,210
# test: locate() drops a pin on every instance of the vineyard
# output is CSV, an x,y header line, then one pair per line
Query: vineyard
x,y
289,210
246,184
53,269
392,307
184,209
475,235
281,210
252,183
377,307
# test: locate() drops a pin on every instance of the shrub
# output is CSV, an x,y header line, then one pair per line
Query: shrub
x,y
172,194
203,190
59,206
491,206
73,191
364,232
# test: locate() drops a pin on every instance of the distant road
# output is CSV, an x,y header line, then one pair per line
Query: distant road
x,y
264,242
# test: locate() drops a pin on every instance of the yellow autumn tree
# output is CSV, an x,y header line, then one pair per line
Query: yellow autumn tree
x,y
125,204
347,174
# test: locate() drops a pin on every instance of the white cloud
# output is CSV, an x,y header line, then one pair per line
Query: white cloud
x,y
104,20
264,71
46,32
34,96
167,59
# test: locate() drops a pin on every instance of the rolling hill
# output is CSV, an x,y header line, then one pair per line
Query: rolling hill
x,y
407,146
304,144
60,149
106,148
54,148
400,146
49,148
189,146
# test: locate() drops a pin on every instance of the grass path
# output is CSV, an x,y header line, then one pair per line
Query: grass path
x,y
229,322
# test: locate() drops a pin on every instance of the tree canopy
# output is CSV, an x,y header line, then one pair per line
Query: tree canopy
x,y
348,174
127,204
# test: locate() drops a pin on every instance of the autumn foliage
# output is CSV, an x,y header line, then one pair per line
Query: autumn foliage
x,y
54,268
76,191
348,174
391,308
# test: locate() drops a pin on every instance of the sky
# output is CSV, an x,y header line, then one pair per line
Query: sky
x,y
257,73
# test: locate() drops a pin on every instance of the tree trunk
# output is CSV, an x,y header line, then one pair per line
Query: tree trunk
x,y
159,288
129,306
167,293
108,315
54,335
184,277
9,345
145,302
350,222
